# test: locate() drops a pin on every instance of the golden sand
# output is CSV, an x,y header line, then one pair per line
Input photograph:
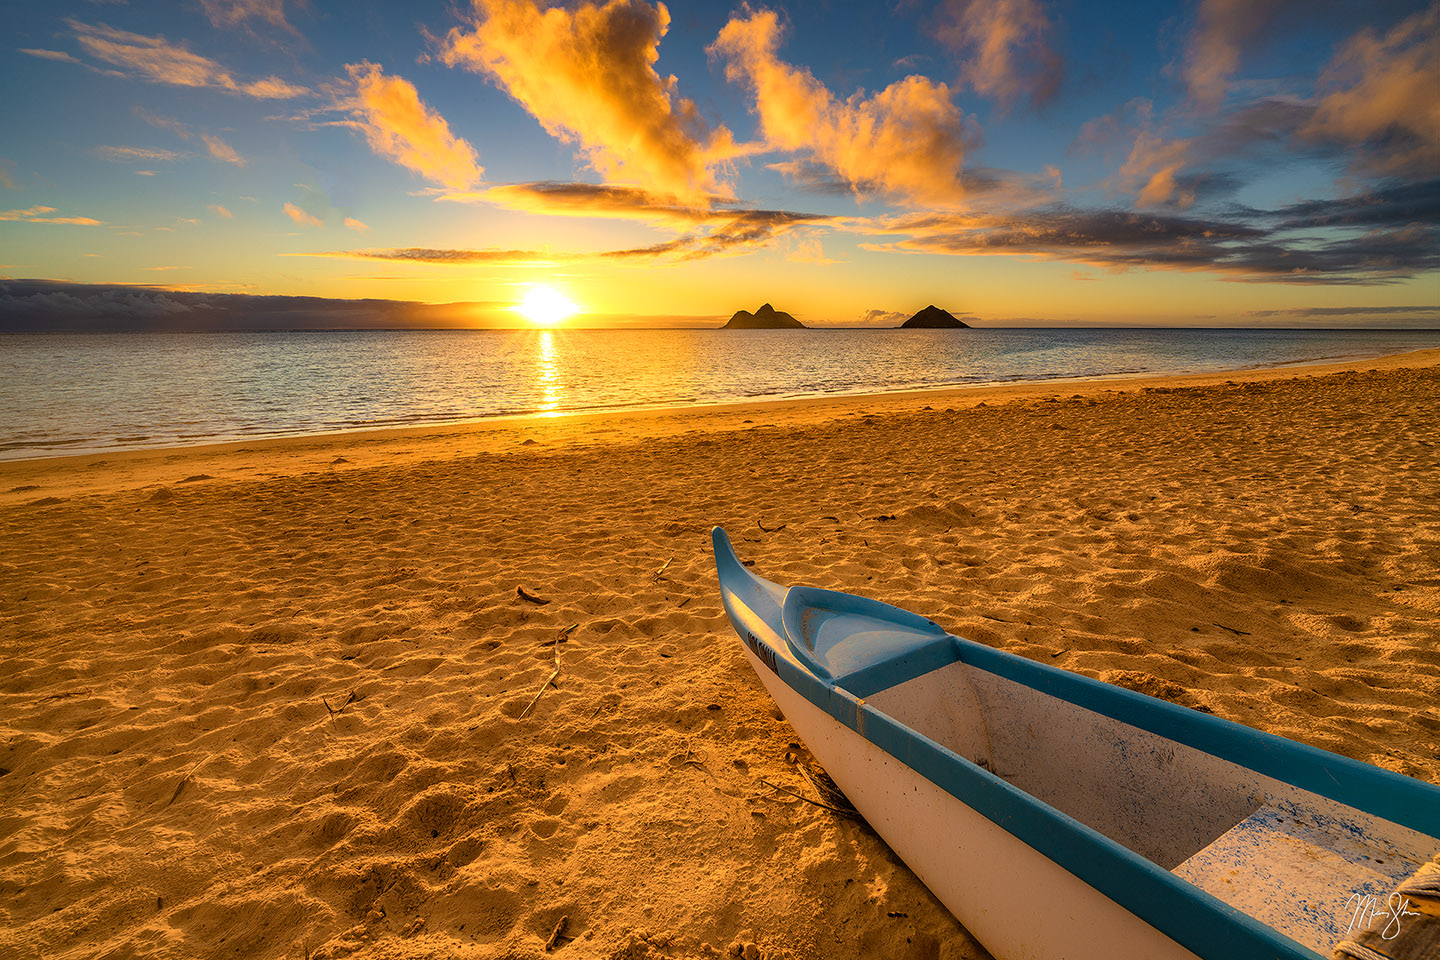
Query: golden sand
x,y
267,699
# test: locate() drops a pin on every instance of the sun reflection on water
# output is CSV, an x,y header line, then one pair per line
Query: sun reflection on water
x,y
547,375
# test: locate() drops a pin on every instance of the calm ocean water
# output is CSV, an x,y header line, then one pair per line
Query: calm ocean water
x,y
72,393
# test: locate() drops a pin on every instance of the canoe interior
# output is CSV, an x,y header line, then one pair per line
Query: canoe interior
x,y
1288,857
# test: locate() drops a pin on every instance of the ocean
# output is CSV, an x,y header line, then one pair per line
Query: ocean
x,y
83,393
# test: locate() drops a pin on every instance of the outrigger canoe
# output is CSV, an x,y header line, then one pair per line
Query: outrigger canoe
x,y
1057,816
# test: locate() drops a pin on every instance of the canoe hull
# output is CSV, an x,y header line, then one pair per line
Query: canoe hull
x,y
1014,900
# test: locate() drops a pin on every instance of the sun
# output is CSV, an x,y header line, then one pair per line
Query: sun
x,y
546,306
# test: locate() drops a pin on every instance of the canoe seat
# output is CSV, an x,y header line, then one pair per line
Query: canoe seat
x,y
861,645
1290,873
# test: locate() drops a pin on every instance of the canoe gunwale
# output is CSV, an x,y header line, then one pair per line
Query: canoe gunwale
x,y
1188,915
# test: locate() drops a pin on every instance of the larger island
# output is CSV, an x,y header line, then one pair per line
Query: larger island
x,y
766,318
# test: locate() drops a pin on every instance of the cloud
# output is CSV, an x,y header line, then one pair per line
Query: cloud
x,y
906,141
159,61
356,225
137,154
220,209
1005,43
876,317
52,306
221,150
239,13
587,74
734,232
399,125
1372,237
1222,26
42,215
164,123
1383,92
720,227
300,216
564,198
50,55
6,179
1430,309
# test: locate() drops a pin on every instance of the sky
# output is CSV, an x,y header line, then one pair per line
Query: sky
x,y
1017,162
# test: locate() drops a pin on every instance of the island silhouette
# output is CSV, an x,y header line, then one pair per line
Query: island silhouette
x,y
766,318
933,318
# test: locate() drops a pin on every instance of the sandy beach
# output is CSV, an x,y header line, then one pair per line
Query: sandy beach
x,y
270,699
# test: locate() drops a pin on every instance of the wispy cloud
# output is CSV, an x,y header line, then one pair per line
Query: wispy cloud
x,y
138,154
588,75
221,150
1222,27
1005,46
160,61
220,209
734,232
356,225
241,13
42,215
300,216
1383,92
398,125
1373,237
906,141
59,55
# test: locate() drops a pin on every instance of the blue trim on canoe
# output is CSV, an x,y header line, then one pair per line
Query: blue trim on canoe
x,y
1189,916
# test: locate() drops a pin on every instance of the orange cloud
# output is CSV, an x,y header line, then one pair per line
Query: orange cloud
x,y
50,55
609,201
1005,45
356,225
236,13
221,150
906,141
41,215
158,60
1387,88
125,154
222,211
399,125
588,76
300,216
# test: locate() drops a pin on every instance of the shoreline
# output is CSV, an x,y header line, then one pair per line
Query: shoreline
x,y
141,466
287,698
80,449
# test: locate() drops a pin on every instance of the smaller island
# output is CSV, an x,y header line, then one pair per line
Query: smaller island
x,y
933,318
766,318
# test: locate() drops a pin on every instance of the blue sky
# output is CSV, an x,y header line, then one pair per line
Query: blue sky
x,y
1018,161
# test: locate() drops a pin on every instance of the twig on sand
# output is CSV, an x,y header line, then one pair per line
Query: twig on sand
x,y
665,566
768,530
1222,626
556,934
690,757
800,796
562,636
186,779
524,595
548,680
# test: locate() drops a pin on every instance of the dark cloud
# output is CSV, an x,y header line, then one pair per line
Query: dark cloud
x,y
1392,205
1431,311
1373,237
727,232
49,306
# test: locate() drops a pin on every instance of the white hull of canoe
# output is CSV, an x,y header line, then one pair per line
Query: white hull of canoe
x,y
1013,899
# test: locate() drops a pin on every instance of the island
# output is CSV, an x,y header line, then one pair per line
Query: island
x,y
766,318
933,318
